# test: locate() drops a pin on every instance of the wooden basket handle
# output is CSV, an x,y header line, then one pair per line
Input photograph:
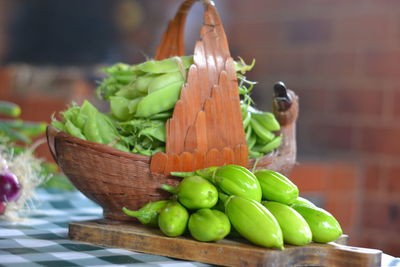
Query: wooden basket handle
x,y
173,40
206,125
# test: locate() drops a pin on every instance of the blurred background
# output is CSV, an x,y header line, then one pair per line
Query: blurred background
x,y
341,57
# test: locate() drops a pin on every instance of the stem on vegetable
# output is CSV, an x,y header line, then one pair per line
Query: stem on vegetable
x,y
169,188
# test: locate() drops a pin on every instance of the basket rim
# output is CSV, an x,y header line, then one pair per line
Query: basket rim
x,y
58,134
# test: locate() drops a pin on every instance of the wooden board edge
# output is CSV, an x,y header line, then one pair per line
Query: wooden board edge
x,y
224,253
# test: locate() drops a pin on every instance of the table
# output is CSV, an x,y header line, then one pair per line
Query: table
x,y
41,239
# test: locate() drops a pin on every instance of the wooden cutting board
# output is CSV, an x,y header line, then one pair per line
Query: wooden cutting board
x,y
227,252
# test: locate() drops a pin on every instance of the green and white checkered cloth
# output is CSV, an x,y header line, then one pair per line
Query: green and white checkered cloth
x,y
41,240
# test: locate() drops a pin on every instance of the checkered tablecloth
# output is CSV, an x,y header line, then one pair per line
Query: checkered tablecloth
x,y
41,239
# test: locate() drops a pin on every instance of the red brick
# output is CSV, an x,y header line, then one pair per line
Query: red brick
x,y
342,178
358,102
256,11
313,99
310,177
380,140
382,64
393,180
331,64
254,38
371,178
283,62
366,29
329,135
395,104
308,31
378,214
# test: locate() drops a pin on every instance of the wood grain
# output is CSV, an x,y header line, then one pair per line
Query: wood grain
x,y
238,252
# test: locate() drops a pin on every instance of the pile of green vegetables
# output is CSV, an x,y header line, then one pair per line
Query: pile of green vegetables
x,y
263,207
142,98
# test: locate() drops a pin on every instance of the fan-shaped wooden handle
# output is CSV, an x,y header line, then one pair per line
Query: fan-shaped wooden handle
x,y
206,122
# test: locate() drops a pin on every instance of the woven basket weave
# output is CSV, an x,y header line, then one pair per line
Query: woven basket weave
x,y
115,179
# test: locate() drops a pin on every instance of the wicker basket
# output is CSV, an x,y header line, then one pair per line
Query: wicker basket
x,y
115,179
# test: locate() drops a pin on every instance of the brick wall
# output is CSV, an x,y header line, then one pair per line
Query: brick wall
x,y
343,59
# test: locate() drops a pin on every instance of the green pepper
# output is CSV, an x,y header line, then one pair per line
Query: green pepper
x,y
173,219
253,221
294,228
209,225
277,187
148,214
324,227
194,192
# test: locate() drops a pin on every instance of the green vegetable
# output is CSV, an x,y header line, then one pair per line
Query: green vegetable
x,y
159,101
143,82
266,119
164,80
119,107
263,133
194,192
173,219
303,201
206,173
12,134
324,227
129,92
294,228
237,180
166,65
9,109
254,222
71,129
145,93
209,225
246,116
148,214
26,128
277,187
231,179
270,146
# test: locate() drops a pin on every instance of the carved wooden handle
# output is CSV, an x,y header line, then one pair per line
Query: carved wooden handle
x,y
206,126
